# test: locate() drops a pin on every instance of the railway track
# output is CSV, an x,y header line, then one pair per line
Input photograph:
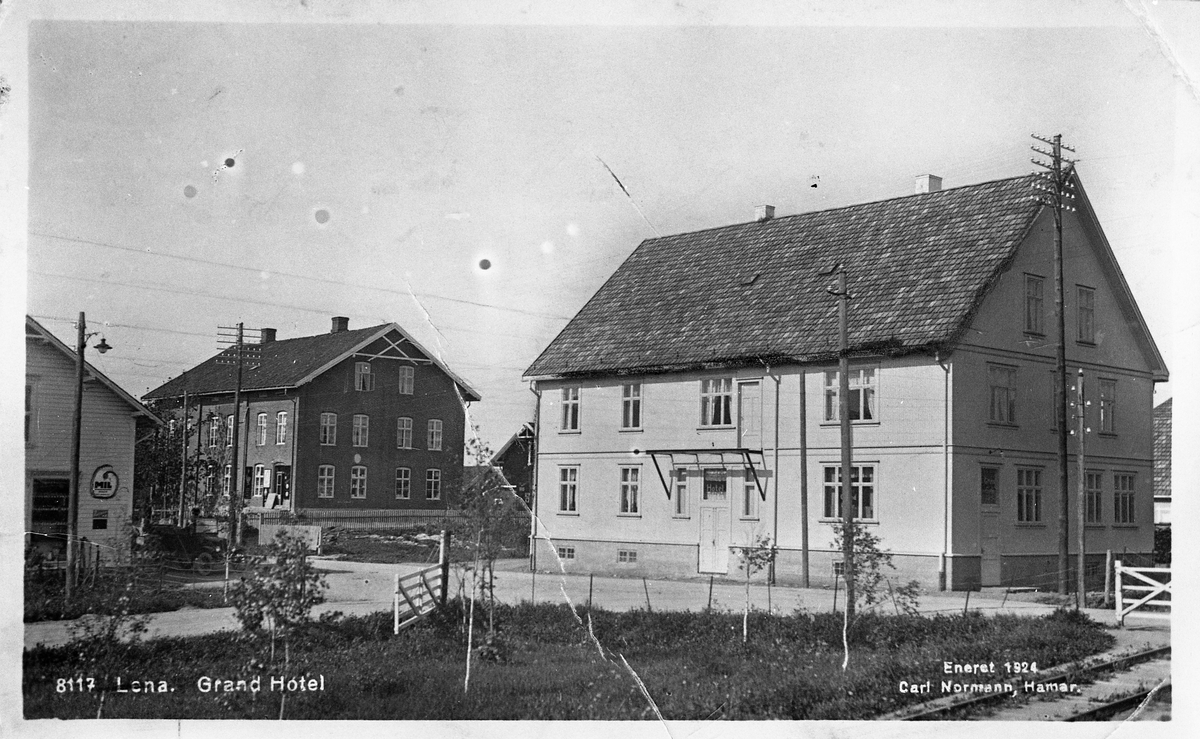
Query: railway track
x,y
1100,700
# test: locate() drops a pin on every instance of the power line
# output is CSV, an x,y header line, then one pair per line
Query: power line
x,y
260,271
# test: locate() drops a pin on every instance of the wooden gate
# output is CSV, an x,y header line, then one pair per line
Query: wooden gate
x,y
417,594
1151,587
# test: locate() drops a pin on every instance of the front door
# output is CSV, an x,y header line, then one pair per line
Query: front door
x,y
283,482
714,522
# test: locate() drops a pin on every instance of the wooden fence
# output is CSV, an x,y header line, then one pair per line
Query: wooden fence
x,y
418,594
1128,579
364,520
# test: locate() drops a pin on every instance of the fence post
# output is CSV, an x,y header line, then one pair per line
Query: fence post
x,y
396,603
444,561
1108,563
647,589
591,578
967,602
1120,600
836,574
710,584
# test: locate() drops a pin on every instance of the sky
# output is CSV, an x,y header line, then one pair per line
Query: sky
x,y
188,171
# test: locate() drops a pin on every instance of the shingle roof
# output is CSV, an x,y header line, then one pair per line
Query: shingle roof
x,y
1162,449
917,267
284,363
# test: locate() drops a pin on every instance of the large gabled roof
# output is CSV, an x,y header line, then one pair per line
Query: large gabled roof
x,y
288,363
917,268
37,330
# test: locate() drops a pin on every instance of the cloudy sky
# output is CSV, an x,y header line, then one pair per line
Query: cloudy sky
x,y
281,165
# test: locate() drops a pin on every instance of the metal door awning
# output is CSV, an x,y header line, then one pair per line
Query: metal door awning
x,y
745,457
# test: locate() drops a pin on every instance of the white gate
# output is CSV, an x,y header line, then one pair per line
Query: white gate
x,y
1151,587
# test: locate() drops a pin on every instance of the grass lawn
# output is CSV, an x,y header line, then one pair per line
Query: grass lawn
x,y
147,591
392,547
694,665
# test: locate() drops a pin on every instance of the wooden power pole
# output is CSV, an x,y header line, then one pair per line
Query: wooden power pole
x,y
847,487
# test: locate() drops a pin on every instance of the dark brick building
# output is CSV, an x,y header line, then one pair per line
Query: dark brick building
x,y
350,420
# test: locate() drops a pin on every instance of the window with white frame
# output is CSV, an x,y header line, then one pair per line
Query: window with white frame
x,y
404,432
568,488
1123,498
631,478
1029,496
358,481
716,402
262,480
1086,314
433,484
227,480
627,556
364,380
361,431
325,474
566,552
631,405
863,387
1108,406
281,427
403,483
862,491
214,430
570,409
1093,497
406,380
328,429
750,495
434,435
1002,388
229,430
679,475
1034,305
262,429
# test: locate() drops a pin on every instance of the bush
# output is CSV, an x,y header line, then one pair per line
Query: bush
x,y
1162,545
281,589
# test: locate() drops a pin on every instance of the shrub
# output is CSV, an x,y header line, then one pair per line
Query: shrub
x,y
281,589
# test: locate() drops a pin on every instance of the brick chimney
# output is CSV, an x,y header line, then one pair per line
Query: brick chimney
x,y
340,324
928,183
764,212
267,335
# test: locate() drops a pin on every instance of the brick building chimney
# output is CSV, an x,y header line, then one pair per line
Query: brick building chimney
x,y
340,324
267,335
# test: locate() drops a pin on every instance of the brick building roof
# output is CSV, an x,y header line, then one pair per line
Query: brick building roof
x,y
917,268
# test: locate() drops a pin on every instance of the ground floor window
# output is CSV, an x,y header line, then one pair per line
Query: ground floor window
x,y
325,481
100,519
862,491
630,489
568,488
262,480
433,484
358,482
403,483
681,492
1092,498
1123,501
627,556
1029,496
566,552
50,503
749,494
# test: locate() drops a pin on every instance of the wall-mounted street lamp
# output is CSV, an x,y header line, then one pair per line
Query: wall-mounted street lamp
x,y
76,432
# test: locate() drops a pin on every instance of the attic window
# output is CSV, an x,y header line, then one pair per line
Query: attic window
x,y
750,279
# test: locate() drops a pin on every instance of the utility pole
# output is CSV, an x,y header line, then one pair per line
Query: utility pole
x,y
240,353
183,454
1081,432
847,491
1054,186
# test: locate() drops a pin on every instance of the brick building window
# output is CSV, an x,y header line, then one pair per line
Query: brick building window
x,y
406,380
325,475
364,381
281,427
362,430
328,429
404,429
433,484
358,481
434,435
262,429
403,483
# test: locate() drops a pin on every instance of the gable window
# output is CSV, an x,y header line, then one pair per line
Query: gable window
x,y
1092,497
630,489
1002,386
404,428
631,406
433,484
862,394
1108,406
262,480
570,409
716,402
361,431
434,435
1123,500
406,380
1034,305
681,492
328,429
403,483
325,481
229,430
989,486
1086,314
358,481
749,494
568,487
281,427
262,429
363,379
1029,496
862,491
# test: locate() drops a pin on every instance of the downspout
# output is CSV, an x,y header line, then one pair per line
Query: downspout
x,y
533,482
804,581
775,477
942,584
295,451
